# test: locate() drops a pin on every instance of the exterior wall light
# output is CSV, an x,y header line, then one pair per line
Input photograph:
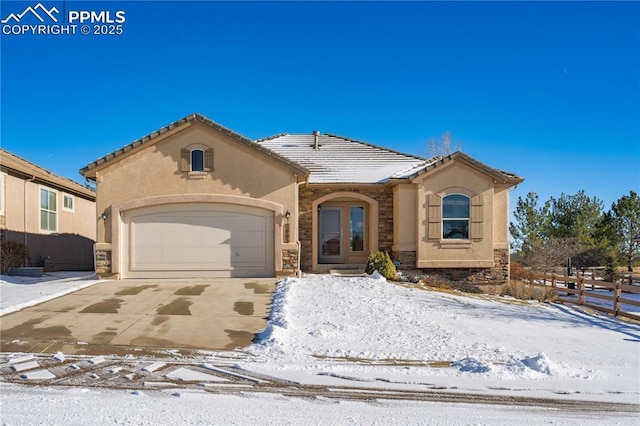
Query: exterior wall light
x,y
287,215
104,215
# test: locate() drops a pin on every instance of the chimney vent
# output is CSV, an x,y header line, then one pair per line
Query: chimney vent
x,y
316,135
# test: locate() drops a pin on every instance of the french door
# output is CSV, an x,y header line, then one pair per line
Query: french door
x,y
330,235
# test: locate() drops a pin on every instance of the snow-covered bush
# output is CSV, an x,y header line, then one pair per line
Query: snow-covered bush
x,y
381,262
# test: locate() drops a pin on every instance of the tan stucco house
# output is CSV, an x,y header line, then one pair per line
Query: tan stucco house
x,y
52,215
196,199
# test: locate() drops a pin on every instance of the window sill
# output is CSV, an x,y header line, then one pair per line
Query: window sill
x,y
197,175
455,244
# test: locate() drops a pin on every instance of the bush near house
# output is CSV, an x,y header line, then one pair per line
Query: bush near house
x,y
381,262
12,254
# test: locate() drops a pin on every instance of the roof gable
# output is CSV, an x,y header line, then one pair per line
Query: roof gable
x,y
177,126
498,176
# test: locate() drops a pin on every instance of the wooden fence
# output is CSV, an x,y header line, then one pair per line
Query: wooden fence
x,y
585,289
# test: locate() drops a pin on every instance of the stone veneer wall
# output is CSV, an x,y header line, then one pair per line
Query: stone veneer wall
x,y
407,259
499,274
289,261
103,262
384,197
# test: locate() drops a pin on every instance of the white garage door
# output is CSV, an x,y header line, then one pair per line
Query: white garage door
x,y
199,240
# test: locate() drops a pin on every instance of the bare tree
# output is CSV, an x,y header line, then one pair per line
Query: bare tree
x,y
552,252
442,147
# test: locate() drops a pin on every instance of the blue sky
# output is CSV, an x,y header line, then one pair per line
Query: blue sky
x,y
547,90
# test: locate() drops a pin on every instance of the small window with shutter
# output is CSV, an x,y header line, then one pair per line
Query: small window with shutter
x,y
196,160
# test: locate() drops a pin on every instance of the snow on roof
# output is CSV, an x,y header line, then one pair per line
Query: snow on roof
x,y
341,160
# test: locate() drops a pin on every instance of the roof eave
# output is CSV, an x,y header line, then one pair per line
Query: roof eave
x,y
28,170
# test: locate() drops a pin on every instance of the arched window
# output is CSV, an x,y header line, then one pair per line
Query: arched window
x,y
197,160
456,210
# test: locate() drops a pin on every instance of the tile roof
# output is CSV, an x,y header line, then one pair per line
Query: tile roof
x,y
190,119
341,160
335,160
28,169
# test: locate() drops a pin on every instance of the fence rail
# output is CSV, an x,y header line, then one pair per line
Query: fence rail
x,y
566,286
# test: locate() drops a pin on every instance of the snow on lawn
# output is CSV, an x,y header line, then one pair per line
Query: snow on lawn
x,y
321,324
20,292
82,406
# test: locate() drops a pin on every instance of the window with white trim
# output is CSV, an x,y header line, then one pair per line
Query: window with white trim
x,y
68,202
456,215
48,210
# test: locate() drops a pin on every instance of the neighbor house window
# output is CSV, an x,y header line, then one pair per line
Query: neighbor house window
x,y
356,228
48,210
68,203
456,209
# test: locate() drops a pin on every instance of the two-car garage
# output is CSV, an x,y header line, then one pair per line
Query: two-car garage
x,y
198,240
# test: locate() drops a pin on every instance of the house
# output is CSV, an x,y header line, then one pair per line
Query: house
x,y
52,215
196,199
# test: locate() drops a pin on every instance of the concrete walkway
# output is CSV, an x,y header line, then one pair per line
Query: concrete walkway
x,y
144,316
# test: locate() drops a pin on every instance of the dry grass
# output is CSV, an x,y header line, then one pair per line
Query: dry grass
x,y
436,281
523,291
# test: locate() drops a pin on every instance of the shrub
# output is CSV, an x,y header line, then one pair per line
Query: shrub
x,y
13,254
522,291
381,262
519,272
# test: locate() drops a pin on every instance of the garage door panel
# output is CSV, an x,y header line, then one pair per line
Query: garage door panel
x,y
190,240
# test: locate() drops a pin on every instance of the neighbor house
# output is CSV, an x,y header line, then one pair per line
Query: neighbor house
x,y
53,216
195,199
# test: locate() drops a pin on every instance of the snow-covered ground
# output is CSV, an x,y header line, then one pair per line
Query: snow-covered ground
x,y
20,292
84,406
366,333
319,325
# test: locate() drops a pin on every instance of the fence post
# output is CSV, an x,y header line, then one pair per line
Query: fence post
x,y
616,299
580,291
553,281
531,281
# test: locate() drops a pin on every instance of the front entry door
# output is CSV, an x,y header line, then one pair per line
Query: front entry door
x,y
330,235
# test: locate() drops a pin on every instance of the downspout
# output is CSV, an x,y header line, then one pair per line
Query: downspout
x,y
298,243
33,178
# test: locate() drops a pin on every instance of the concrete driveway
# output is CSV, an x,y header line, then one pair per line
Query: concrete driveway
x,y
144,316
